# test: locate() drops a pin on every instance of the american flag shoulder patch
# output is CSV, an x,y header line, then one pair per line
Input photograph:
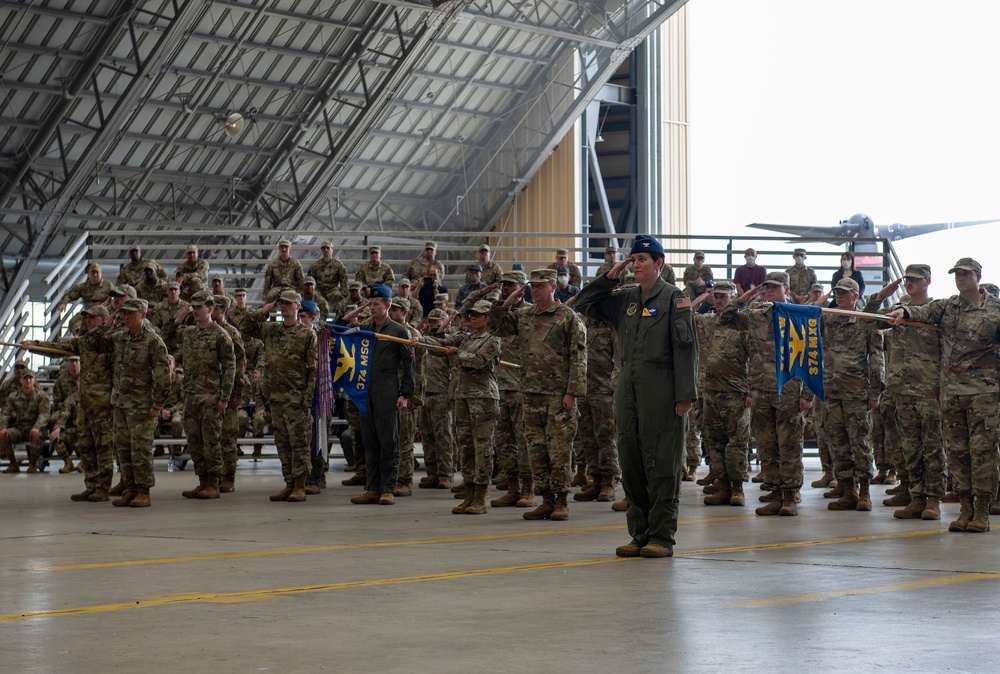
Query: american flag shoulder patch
x,y
682,303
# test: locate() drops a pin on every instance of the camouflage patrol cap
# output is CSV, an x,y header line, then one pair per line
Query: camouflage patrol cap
x,y
543,276
135,305
93,266
285,242
134,246
816,286
430,245
437,315
354,285
485,246
799,251
70,359
201,298
173,285
440,297
326,244
21,363
562,252
148,264
96,310
240,291
290,296
776,278
404,283
28,374
308,281
124,290
480,307
699,253
514,277
374,249
401,303
917,271
611,249
967,264
191,248
221,301
847,284
724,288
217,277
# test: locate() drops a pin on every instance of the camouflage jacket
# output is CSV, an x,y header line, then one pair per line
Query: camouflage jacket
x,y
64,387
602,366
153,294
755,319
419,370
508,378
853,368
691,276
175,396
65,415
141,374
26,410
912,357
291,359
969,341
240,383
420,266
492,273
553,347
368,275
193,277
209,362
96,371
331,278
283,274
133,274
89,293
800,279
162,317
726,353
438,370
477,358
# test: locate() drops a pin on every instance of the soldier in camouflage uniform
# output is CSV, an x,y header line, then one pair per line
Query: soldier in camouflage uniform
x,y
611,258
163,314
374,271
478,354
173,406
94,420
408,416
24,418
553,376
420,265
970,331
290,349
912,377
492,272
693,441
141,379
597,436
776,423
435,416
192,274
697,276
309,292
150,287
726,412
562,260
12,381
852,381
64,424
416,312
95,290
283,273
330,274
230,420
134,273
238,310
800,278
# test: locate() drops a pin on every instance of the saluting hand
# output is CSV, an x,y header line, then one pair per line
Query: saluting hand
x,y
515,296
616,272
888,290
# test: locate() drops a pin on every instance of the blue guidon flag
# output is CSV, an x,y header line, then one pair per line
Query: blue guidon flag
x,y
350,363
798,349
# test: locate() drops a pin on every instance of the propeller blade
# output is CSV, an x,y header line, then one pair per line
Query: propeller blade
x,y
835,231
897,231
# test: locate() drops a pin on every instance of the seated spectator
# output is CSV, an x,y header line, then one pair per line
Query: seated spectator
x,y
492,272
847,270
422,264
564,289
749,275
562,260
473,281
24,417
697,276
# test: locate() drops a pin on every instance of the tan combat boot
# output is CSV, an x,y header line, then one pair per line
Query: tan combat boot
x,y
444,483
965,514
126,498
892,491
880,477
428,482
835,491
544,511
459,488
512,496
356,480
721,497
82,496
501,482
368,498
298,494
890,476
620,506
607,493
119,488
284,493
738,498
13,467
561,510
478,505
527,499
211,489
98,496
824,481
68,466
227,485
403,489
864,497
708,479
387,498
899,498
933,509
466,502
849,501
193,493
980,522
788,507
772,508
590,492
580,477
141,499
913,510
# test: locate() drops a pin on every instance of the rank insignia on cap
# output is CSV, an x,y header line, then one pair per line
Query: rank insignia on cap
x,y
682,303
651,311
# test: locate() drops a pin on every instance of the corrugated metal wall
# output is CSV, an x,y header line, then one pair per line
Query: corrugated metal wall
x,y
675,130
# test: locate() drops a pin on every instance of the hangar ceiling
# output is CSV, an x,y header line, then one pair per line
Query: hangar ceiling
x,y
284,115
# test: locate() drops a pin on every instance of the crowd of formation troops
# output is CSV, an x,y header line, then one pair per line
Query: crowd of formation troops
x,y
520,384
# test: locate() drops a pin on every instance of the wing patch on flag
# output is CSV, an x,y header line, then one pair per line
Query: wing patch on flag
x,y
350,353
798,348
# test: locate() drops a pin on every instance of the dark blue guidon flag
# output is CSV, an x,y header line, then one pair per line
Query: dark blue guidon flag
x,y
798,349
351,353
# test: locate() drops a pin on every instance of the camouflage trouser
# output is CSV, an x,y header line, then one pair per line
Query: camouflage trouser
x,y
293,437
476,419
726,420
597,436
242,422
969,429
435,432
876,438
134,441
512,451
549,431
818,414
227,442
17,435
890,435
203,426
692,442
64,446
354,423
407,434
919,423
95,447
849,427
777,428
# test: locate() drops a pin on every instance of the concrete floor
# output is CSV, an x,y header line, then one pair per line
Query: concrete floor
x,y
242,585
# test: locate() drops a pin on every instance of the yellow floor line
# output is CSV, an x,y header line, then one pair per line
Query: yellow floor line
x,y
803,544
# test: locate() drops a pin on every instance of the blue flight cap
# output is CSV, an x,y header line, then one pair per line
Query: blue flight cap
x,y
381,290
646,244
310,307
